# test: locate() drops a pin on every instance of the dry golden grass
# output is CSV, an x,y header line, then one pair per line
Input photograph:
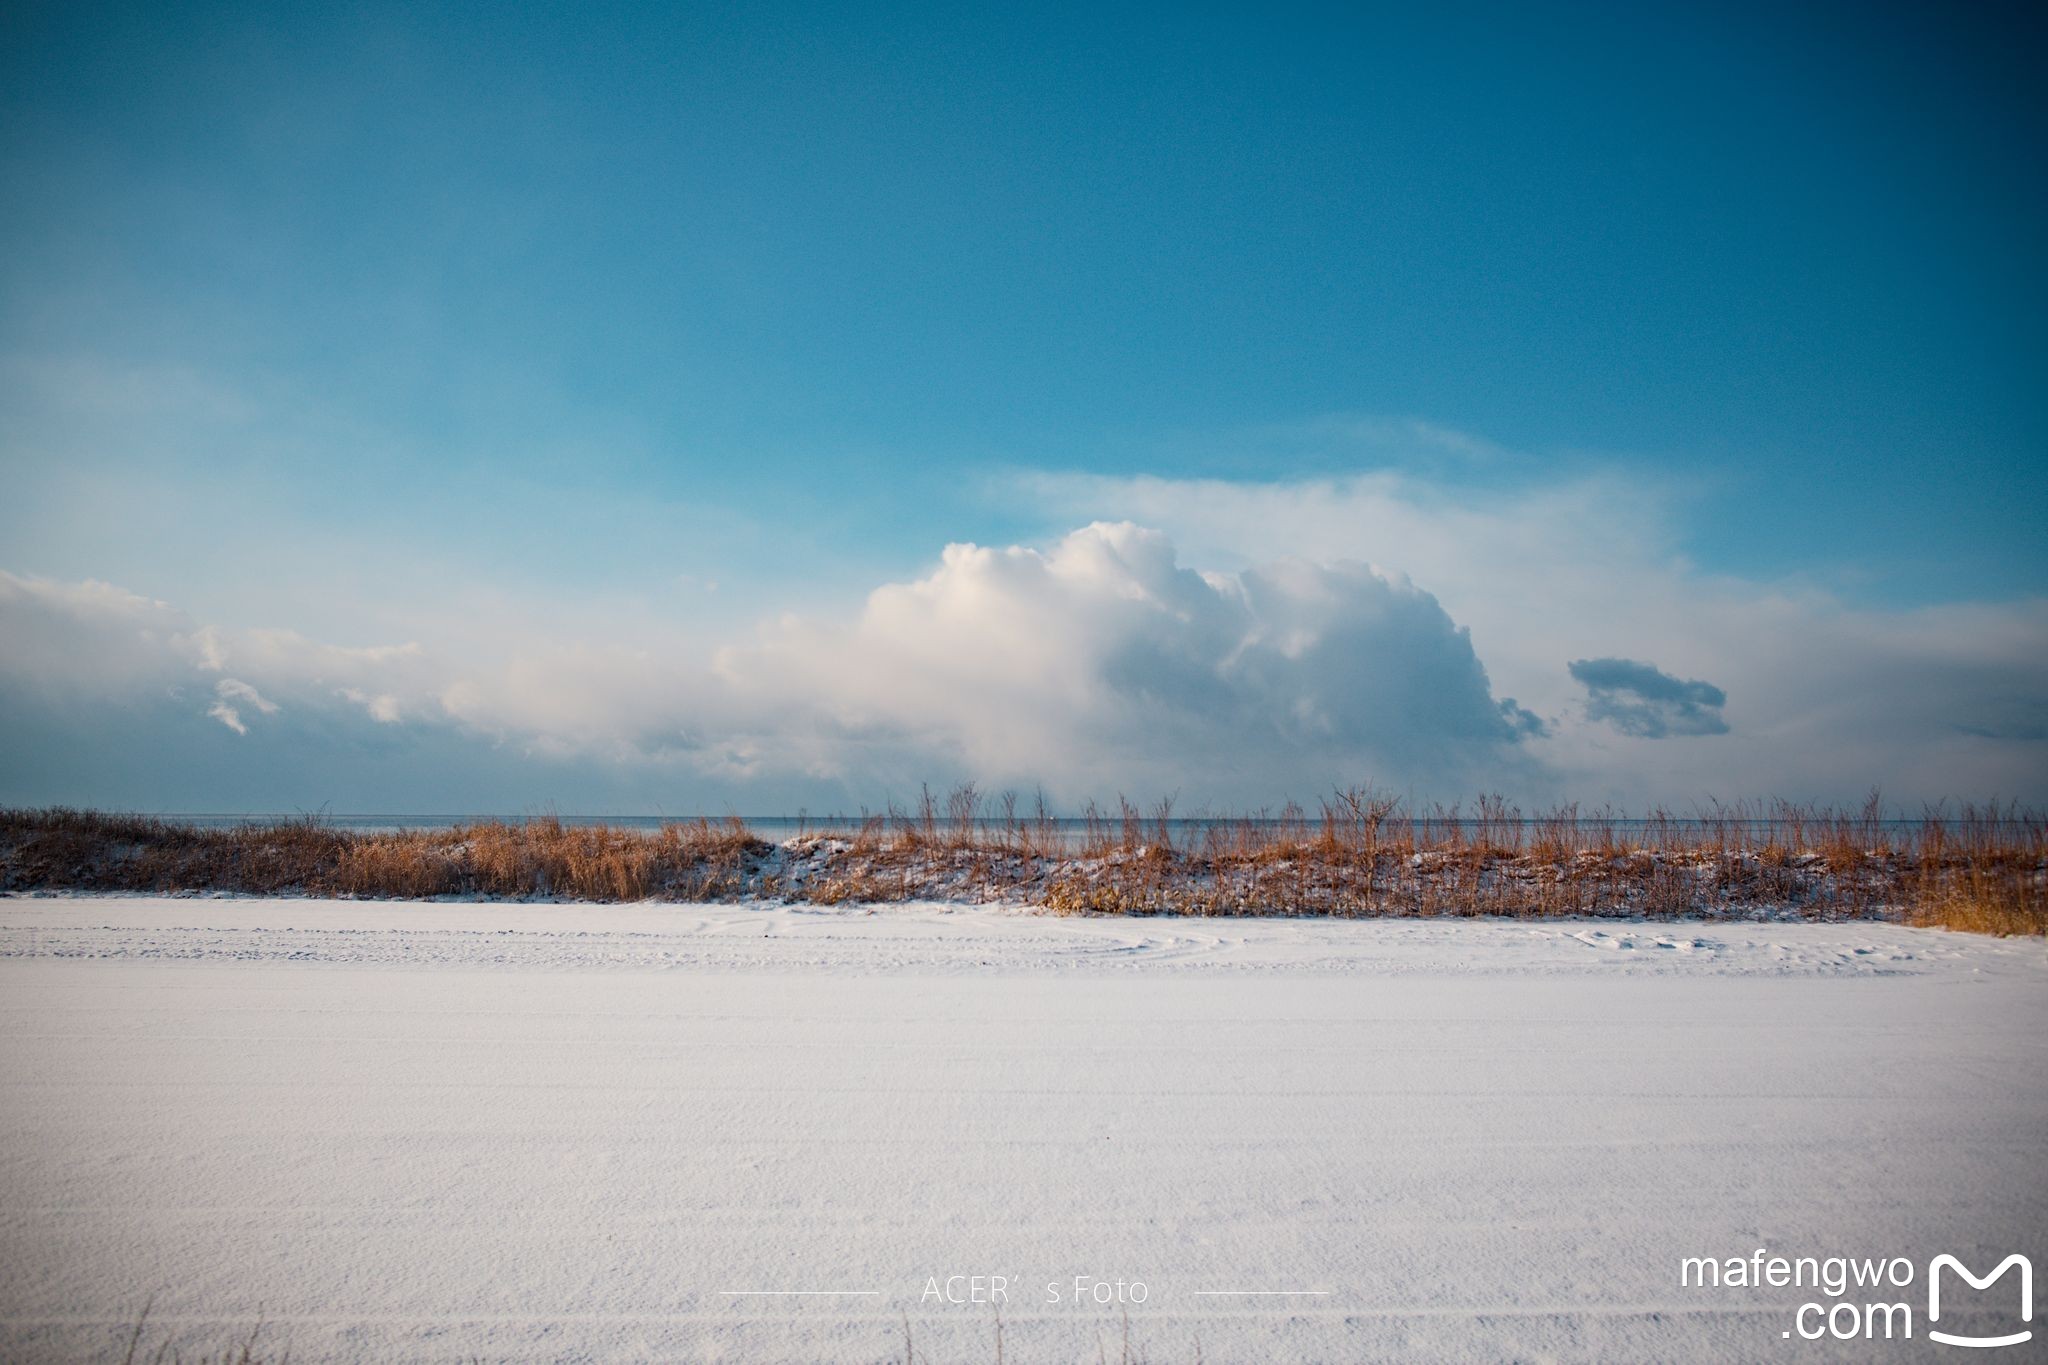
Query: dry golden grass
x,y
88,851
1983,869
1981,899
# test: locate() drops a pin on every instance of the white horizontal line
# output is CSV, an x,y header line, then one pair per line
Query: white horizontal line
x,y
800,1291
1203,1293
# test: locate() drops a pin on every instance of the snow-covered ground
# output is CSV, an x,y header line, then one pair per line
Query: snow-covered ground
x,y
543,1132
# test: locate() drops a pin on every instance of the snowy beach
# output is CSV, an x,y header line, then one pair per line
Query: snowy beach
x,y
541,1132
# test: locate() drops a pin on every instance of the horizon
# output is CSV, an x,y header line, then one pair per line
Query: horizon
x,y
1757,813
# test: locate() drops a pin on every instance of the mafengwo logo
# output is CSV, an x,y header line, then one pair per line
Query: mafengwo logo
x,y
1946,1262
1878,1312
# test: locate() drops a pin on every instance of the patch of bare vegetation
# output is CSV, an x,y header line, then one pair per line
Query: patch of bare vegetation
x,y
1977,868
541,858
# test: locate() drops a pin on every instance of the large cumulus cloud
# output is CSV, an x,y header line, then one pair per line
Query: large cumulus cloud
x,y
1824,697
1102,662
1095,666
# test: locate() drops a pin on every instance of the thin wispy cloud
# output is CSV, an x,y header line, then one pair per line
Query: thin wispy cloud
x,y
232,697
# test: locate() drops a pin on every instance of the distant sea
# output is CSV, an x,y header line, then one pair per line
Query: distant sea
x,y
1184,830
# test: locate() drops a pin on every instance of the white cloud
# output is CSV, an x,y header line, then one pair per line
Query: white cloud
x,y
73,641
1824,698
1100,664
234,689
383,707
1105,662
230,696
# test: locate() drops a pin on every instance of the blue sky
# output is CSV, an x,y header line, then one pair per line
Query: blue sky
x,y
648,327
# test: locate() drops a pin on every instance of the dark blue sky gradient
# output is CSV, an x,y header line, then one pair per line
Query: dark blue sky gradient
x,y
854,258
